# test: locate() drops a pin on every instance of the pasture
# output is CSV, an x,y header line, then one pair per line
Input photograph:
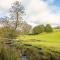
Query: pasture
x,y
45,40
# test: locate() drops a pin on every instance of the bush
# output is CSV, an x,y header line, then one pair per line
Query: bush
x,y
38,29
48,28
8,33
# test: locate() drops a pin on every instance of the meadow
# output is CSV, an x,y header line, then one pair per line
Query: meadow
x,y
44,46
45,40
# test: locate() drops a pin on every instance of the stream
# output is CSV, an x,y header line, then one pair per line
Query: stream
x,y
24,58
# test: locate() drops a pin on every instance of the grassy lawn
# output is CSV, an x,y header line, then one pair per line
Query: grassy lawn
x,y
46,40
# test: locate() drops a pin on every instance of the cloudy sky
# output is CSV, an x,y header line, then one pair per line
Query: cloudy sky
x,y
37,11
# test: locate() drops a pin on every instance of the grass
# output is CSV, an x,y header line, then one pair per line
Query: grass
x,y
45,46
8,53
46,40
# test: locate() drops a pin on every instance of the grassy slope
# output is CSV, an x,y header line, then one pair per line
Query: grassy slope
x,y
46,40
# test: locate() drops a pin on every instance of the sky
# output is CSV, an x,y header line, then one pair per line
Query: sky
x,y
37,11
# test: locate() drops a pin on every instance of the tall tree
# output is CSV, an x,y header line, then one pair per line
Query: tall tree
x,y
25,28
17,11
38,29
48,28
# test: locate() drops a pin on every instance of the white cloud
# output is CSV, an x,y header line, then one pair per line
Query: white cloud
x,y
41,13
38,11
5,5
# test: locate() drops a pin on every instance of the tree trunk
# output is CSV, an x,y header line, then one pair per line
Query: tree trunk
x,y
16,24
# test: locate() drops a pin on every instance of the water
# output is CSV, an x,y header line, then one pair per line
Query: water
x,y
24,58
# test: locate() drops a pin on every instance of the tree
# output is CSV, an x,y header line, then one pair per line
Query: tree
x,y
17,11
4,21
25,28
9,33
38,29
48,28
42,28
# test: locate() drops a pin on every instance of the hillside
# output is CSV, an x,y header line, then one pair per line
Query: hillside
x,y
46,40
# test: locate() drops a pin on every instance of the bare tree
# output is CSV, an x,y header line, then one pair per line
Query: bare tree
x,y
17,11
4,21
25,28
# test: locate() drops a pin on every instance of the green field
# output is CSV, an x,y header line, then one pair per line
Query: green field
x,y
44,46
46,40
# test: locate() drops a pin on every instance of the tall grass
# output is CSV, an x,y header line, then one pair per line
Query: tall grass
x,y
8,53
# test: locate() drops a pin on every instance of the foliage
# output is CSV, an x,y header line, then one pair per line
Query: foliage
x,y
7,32
57,27
25,29
38,29
17,11
41,28
48,28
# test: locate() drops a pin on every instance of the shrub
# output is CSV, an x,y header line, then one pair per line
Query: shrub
x,y
48,28
8,33
38,29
